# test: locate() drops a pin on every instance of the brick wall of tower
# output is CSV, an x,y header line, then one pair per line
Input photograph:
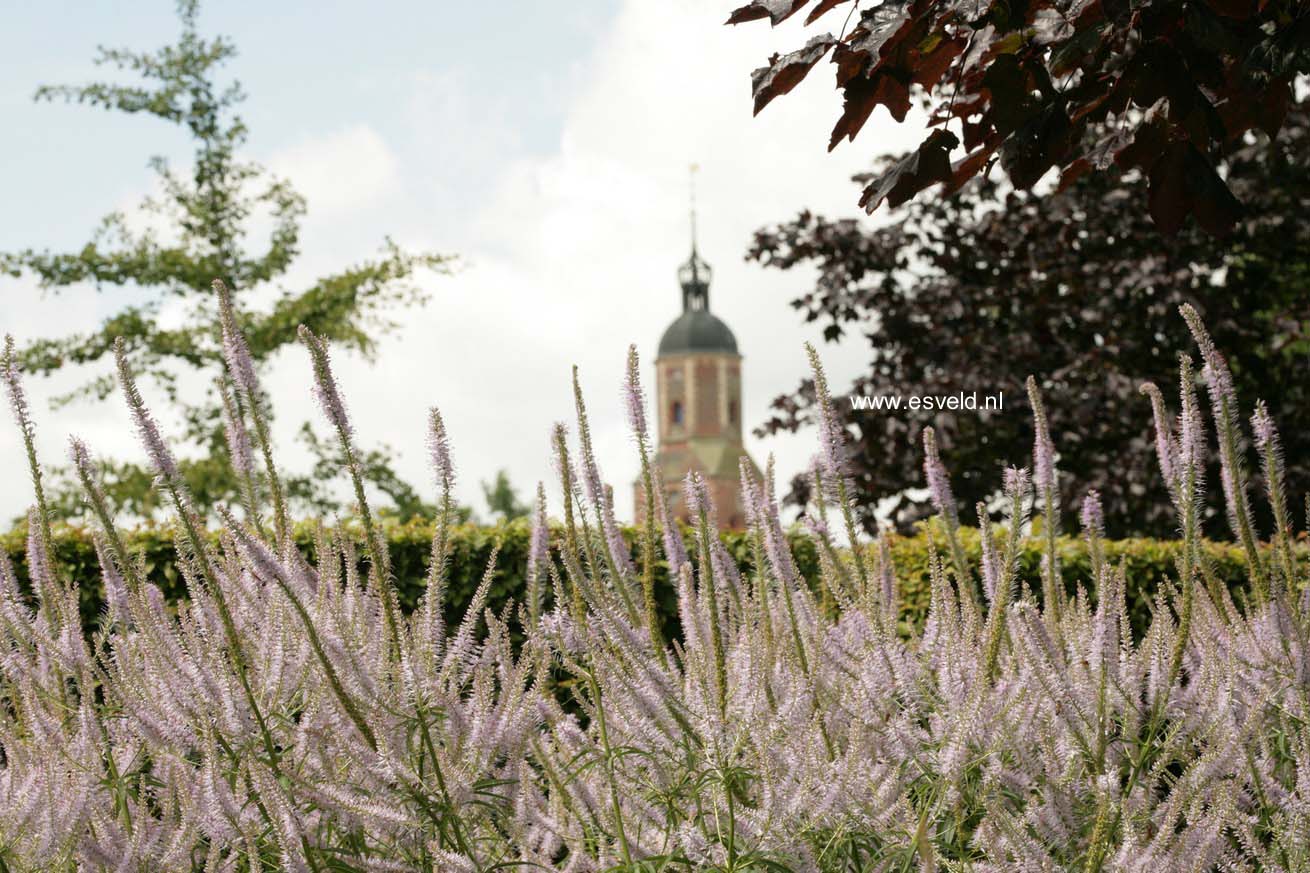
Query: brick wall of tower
x,y
705,390
672,398
697,404
705,372
724,491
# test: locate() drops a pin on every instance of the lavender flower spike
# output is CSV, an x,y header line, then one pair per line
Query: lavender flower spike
x,y
1191,429
1266,437
1223,401
939,483
1271,463
325,384
1091,516
559,435
1217,375
1166,444
634,399
14,388
1043,448
749,497
160,457
439,451
538,552
80,455
1093,521
816,527
675,550
235,350
18,402
238,438
939,489
691,490
1016,483
831,436
95,498
991,561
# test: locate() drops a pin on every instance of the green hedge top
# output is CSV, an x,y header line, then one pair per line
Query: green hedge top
x,y
1148,563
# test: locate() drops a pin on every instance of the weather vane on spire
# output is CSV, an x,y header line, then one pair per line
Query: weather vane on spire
x,y
691,187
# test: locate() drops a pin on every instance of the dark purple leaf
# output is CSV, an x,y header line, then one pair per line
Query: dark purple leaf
x,y
786,72
880,28
929,163
822,7
1038,145
1168,199
777,11
1214,205
859,99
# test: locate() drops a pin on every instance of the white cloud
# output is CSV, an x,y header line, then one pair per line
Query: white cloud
x,y
346,170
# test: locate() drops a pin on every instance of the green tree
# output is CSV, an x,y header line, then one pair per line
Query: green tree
x,y
200,226
503,500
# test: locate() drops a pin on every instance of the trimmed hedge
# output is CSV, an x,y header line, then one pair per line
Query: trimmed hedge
x,y
1148,563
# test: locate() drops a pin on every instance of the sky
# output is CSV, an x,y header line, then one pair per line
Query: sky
x,y
546,144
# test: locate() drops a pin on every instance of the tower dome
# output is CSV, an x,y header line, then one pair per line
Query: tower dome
x,y
697,329
697,332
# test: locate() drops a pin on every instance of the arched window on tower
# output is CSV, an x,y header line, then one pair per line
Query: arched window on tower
x,y
675,412
732,412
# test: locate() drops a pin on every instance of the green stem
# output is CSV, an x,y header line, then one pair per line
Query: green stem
x,y
609,769
648,554
708,588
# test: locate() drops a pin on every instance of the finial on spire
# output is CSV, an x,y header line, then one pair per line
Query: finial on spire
x,y
691,189
694,276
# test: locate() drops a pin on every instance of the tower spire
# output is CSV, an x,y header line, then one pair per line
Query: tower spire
x,y
694,275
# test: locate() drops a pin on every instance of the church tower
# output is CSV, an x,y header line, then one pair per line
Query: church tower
x,y
698,399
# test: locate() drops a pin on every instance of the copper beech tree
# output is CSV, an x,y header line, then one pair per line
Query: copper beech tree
x,y
1163,87
980,289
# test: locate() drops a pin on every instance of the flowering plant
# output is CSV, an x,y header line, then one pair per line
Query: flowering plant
x,y
289,715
